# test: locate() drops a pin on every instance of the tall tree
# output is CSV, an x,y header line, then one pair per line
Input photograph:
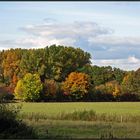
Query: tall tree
x,y
11,61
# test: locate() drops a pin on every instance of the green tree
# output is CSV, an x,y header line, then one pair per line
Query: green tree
x,y
101,75
63,60
118,75
29,88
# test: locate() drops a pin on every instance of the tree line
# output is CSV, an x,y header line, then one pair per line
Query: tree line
x,y
61,73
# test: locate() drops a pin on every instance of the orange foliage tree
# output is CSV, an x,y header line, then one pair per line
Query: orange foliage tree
x,y
10,64
76,85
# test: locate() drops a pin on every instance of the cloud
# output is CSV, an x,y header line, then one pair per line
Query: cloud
x,y
133,60
49,20
75,34
130,63
115,47
22,43
51,32
115,40
105,47
61,30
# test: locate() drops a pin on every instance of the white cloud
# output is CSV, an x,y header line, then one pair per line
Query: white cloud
x,y
104,46
59,30
130,63
115,40
57,33
34,42
133,59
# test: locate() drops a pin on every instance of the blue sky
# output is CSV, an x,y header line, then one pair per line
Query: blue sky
x,y
110,31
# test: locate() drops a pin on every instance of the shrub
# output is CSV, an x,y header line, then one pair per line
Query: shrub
x,y
129,97
98,95
6,96
11,126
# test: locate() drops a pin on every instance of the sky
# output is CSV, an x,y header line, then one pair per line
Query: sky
x,y
109,31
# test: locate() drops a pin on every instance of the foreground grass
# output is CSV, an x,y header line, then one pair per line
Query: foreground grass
x,y
58,129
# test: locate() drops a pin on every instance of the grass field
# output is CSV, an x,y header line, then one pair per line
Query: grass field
x,y
55,128
121,108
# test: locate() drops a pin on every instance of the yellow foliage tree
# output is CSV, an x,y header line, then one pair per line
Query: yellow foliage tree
x,y
117,91
111,87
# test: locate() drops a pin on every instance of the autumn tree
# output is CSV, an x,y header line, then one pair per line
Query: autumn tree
x,y
128,83
54,63
111,88
51,89
10,64
76,85
62,60
19,89
29,88
1,67
131,83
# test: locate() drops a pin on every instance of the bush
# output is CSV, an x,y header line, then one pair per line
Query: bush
x,y
6,96
107,97
11,126
129,97
97,95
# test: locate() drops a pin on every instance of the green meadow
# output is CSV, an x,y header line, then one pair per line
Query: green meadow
x,y
83,119
121,108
